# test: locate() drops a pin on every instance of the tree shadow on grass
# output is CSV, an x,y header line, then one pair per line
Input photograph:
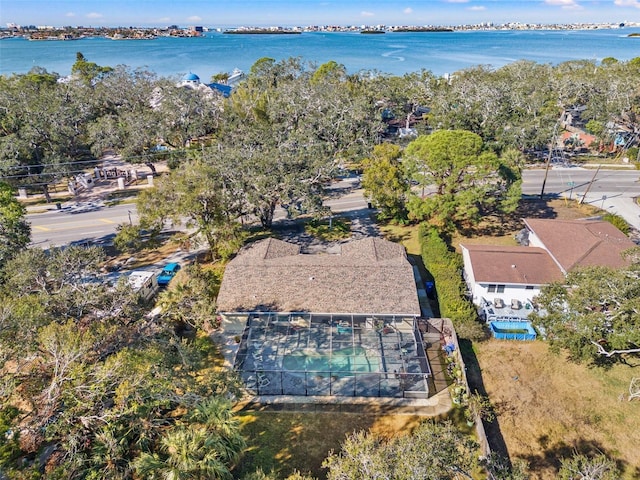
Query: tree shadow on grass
x,y
501,225
476,383
549,461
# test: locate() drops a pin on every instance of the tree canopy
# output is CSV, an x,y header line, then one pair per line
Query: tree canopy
x,y
467,180
93,388
15,231
433,451
594,313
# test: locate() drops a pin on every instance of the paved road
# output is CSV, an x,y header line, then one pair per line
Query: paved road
x,y
612,190
574,182
97,223
86,221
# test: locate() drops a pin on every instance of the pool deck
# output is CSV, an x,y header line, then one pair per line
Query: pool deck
x,y
434,406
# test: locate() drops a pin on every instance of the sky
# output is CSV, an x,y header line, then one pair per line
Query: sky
x,y
212,13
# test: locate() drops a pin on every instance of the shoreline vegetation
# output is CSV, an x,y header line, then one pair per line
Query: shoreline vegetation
x,y
32,32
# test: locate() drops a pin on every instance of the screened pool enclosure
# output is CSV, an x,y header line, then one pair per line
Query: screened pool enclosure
x,y
333,355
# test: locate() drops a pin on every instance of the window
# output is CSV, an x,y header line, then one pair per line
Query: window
x,y
500,289
491,288
529,287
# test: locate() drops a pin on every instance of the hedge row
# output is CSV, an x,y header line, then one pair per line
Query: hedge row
x,y
445,266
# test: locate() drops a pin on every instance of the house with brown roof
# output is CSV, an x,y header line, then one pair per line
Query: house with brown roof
x,y
504,281
368,276
579,243
330,324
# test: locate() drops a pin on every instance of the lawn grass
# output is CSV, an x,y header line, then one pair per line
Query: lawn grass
x,y
288,441
548,408
329,230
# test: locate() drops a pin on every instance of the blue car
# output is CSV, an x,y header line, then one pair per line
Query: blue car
x,y
168,272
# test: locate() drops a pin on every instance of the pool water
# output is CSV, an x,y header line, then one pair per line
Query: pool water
x,y
344,361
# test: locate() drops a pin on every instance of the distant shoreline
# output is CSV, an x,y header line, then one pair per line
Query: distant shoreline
x,y
262,31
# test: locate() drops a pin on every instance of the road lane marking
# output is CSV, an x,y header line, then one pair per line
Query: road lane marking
x,y
105,220
44,229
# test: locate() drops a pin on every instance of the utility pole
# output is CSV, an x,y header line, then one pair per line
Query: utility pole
x,y
551,149
546,172
590,183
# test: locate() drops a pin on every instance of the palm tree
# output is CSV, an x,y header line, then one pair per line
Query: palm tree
x,y
206,447
184,453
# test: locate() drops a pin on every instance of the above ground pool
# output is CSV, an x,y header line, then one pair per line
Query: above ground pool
x,y
512,330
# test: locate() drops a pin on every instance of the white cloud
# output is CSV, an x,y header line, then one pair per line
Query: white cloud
x,y
164,19
69,14
366,14
94,15
194,18
627,3
408,10
457,1
477,9
563,3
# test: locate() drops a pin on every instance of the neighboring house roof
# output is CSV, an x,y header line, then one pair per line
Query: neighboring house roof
x,y
512,265
225,90
371,275
581,243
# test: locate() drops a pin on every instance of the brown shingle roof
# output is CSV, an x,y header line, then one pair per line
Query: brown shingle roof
x,y
368,276
512,265
581,243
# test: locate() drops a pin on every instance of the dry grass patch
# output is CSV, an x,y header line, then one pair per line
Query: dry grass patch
x,y
548,408
285,441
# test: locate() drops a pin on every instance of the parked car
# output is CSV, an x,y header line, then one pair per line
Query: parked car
x,y
168,272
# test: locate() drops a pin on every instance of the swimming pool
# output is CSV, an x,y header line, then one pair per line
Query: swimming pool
x,y
345,361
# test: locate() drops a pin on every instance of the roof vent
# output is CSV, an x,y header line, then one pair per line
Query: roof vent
x,y
513,266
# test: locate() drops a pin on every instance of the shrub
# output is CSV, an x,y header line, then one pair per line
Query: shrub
x,y
446,268
617,221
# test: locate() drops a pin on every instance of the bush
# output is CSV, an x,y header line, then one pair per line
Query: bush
x,y
446,267
618,222
128,239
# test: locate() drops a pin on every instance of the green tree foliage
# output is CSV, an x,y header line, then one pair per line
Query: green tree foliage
x,y
467,181
43,130
207,446
434,451
594,313
88,72
190,305
582,467
384,181
128,238
445,267
286,135
92,375
15,231
196,192
511,106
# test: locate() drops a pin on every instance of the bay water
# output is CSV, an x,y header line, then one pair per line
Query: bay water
x,y
392,53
